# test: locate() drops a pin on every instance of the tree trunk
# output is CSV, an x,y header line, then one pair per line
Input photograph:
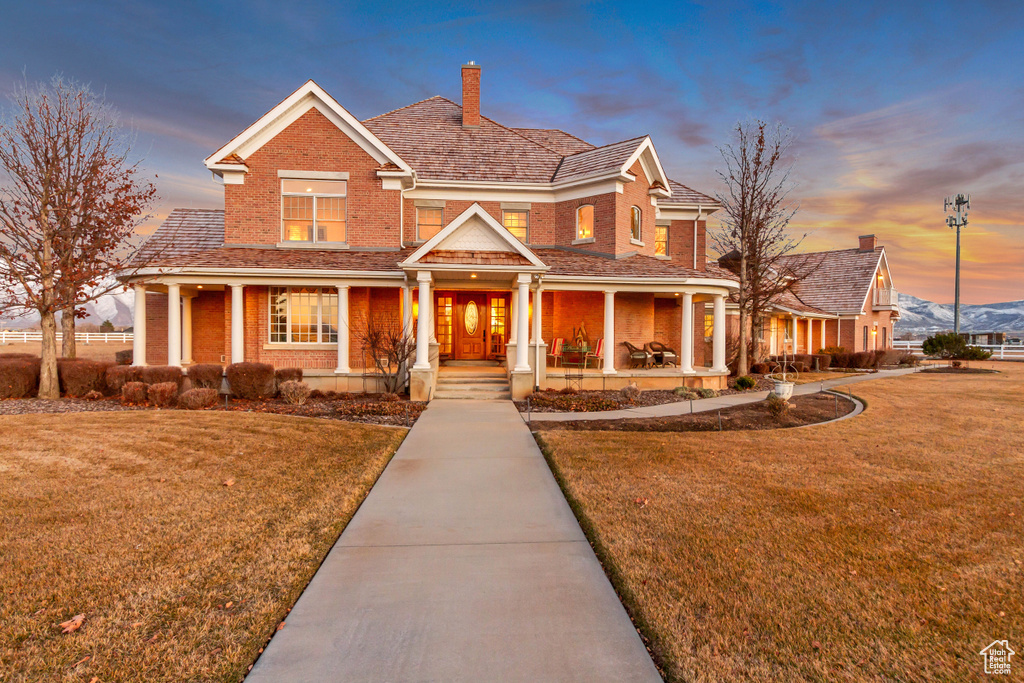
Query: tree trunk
x,y
741,360
67,329
49,385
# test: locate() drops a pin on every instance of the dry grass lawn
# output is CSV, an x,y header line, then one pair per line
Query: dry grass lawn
x,y
94,351
126,518
888,547
808,377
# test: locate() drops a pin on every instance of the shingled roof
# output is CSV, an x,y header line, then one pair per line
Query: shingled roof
x,y
681,194
840,279
556,140
597,160
184,232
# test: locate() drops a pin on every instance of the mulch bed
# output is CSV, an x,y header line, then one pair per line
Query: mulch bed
x,y
346,407
960,371
806,410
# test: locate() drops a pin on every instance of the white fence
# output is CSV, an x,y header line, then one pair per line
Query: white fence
x,y
999,351
16,336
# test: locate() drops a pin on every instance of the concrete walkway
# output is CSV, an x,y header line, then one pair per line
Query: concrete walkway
x,y
464,563
706,404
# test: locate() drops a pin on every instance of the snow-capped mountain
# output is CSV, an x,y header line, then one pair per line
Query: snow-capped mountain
x,y
117,307
919,315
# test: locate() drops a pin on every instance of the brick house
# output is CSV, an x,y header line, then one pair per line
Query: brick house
x,y
483,242
848,300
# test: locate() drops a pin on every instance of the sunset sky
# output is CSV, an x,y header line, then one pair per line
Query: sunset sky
x,y
894,105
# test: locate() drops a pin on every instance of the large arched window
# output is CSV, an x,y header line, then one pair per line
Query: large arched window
x,y
634,223
585,222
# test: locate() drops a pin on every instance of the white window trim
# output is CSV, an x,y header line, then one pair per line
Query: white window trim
x,y
526,237
314,196
666,254
639,225
593,226
420,239
289,344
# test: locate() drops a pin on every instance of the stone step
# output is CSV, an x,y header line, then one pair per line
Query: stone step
x,y
472,379
474,395
503,386
471,364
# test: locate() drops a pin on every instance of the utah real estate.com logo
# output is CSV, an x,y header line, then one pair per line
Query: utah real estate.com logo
x,y
997,657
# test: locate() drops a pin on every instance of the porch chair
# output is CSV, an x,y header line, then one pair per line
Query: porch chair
x,y
556,349
597,354
638,357
663,355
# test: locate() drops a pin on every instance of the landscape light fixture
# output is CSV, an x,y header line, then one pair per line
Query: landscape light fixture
x,y
957,208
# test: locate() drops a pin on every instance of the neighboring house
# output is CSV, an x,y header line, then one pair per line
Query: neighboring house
x,y
847,300
485,242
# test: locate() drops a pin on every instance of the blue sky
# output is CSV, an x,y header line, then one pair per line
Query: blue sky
x,y
893,105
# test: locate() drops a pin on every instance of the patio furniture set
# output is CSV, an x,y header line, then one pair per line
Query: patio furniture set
x,y
653,354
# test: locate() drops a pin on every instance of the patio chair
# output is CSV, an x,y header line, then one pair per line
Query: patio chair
x,y
663,355
638,357
556,349
597,354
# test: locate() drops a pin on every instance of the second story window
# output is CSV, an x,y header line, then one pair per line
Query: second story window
x,y
313,210
634,223
428,222
518,223
661,240
585,222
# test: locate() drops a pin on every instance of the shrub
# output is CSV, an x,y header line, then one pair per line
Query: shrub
x,y
252,381
93,396
282,375
705,392
206,376
162,394
294,392
777,407
745,382
359,408
569,391
198,399
630,393
823,360
117,375
944,345
685,392
79,376
760,369
126,357
907,358
833,350
842,359
573,403
801,367
860,360
805,358
134,393
160,374
17,356
957,364
19,375
975,353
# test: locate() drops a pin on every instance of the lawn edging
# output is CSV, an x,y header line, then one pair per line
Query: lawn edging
x,y
648,635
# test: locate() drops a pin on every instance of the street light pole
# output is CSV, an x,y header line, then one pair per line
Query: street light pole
x,y
960,204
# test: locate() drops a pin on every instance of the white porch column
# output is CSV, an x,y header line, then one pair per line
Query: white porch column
x,y
174,325
523,312
792,332
343,329
423,322
237,324
186,328
139,327
537,317
407,310
686,336
513,330
810,335
823,324
609,332
718,340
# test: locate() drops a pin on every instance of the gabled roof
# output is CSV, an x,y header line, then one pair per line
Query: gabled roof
x,y
308,96
473,231
555,140
186,231
605,159
681,194
430,136
840,280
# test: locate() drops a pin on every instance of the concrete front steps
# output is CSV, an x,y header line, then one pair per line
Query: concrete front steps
x,y
472,380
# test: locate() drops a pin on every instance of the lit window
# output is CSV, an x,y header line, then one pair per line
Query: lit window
x,y
634,223
303,315
313,210
517,223
709,325
661,240
428,222
585,222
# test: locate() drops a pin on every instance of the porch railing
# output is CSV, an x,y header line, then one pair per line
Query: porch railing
x,y
886,296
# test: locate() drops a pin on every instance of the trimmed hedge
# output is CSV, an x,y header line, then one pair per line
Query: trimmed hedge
x,y
253,381
206,376
134,393
283,375
760,368
824,361
79,376
162,394
19,375
159,374
198,399
119,375
126,357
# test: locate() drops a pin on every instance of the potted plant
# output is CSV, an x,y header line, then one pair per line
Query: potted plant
x,y
783,387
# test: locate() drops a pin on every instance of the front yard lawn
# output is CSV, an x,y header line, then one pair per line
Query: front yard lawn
x,y
184,538
885,547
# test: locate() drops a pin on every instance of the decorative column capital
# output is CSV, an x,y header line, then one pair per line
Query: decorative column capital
x,y
524,279
342,285
423,276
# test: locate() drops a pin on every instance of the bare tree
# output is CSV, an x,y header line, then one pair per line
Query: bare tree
x,y
70,201
390,348
754,238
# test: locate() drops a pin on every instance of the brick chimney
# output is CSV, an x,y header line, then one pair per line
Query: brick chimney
x,y
471,95
867,242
